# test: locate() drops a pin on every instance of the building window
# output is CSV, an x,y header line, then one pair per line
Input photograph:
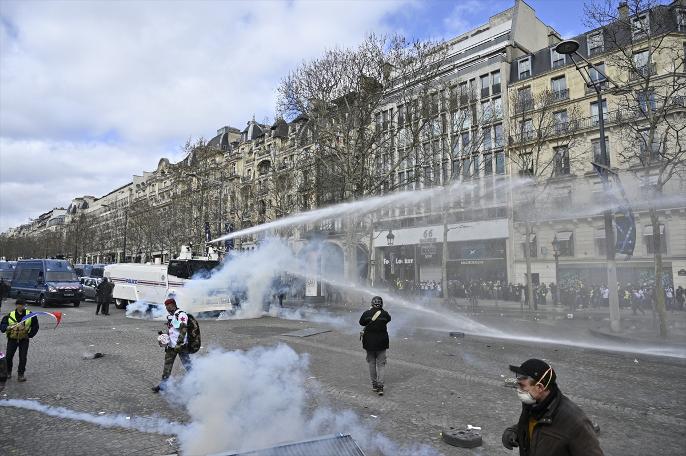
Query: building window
x,y
497,108
485,86
595,43
476,161
681,20
488,164
595,114
533,245
561,121
559,88
525,100
565,241
487,140
600,243
649,152
466,168
643,67
648,239
524,67
561,161
597,154
495,76
640,27
500,163
556,60
401,114
465,142
486,111
498,135
597,75
527,127
646,101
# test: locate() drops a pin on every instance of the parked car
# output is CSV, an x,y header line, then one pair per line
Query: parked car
x,y
89,287
46,281
89,270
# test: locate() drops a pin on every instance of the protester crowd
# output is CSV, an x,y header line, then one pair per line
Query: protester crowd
x,y
573,294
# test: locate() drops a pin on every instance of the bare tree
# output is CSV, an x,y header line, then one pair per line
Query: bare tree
x,y
541,149
649,65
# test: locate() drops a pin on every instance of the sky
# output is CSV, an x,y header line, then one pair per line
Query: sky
x,y
93,92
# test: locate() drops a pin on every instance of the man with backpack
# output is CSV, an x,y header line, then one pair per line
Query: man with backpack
x,y
183,339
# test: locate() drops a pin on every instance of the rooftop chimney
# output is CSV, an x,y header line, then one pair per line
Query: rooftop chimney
x,y
623,9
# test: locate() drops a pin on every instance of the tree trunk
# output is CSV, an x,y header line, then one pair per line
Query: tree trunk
x,y
527,256
444,260
370,250
659,288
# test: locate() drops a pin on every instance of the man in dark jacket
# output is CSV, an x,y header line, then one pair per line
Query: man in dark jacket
x,y
4,290
550,424
18,335
103,296
375,341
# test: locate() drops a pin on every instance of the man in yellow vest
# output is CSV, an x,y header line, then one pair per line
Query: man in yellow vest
x,y
18,335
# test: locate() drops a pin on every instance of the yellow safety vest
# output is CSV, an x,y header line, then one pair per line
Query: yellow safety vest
x,y
19,331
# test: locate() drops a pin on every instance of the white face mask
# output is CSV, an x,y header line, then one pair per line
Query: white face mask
x,y
525,397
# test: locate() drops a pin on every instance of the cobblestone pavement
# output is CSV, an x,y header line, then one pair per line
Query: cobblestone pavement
x,y
433,382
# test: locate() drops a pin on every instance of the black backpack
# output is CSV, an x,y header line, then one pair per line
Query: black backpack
x,y
193,334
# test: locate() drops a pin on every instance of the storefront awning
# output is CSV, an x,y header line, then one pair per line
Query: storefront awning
x,y
599,233
564,235
648,230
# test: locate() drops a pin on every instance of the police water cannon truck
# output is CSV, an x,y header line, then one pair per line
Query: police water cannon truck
x,y
154,283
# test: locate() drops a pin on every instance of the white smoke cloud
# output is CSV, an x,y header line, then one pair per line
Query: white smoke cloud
x,y
259,398
145,311
153,425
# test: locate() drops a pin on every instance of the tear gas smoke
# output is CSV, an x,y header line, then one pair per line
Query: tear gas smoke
x,y
259,398
242,400
143,424
143,310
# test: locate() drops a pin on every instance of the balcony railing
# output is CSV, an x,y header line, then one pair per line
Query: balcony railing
x,y
643,72
560,95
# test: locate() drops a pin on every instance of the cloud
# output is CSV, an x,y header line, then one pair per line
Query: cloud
x,y
114,83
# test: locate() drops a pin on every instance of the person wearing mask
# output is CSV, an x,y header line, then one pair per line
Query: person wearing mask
x,y
550,424
375,342
177,341
18,335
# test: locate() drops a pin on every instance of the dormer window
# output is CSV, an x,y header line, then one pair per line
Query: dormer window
x,y
556,59
640,27
595,43
524,67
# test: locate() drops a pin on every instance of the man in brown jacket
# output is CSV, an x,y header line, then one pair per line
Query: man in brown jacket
x,y
550,424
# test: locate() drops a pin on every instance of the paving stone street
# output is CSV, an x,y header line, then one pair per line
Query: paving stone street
x,y
434,381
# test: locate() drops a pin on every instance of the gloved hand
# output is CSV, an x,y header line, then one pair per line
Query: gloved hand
x,y
510,438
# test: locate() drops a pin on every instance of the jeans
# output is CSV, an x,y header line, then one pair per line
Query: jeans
x,y
23,346
377,365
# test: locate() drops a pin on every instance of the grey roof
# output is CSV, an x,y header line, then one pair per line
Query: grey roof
x,y
333,445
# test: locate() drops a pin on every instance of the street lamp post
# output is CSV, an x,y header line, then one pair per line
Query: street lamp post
x,y
570,47
556,255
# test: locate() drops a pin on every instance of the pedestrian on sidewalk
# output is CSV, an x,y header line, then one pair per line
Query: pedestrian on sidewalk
x,y
375,342
18,335
177,332
550,424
